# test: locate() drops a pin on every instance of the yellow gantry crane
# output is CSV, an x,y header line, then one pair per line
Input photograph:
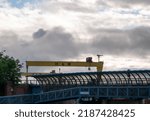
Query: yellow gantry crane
x,y
88,63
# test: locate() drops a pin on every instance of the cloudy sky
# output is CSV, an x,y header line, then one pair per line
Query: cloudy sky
x,y
76,29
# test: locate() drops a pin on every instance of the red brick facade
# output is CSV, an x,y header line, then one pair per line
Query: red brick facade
x,y
15,90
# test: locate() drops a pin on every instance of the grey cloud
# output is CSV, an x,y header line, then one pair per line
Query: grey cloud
x,y
58,6
133,42
77,8
140,40
54,44
39,33
144,2
13,45
8,40
123,3
57,44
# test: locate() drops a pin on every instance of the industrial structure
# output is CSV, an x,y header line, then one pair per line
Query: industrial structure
x,y
83,87
89,63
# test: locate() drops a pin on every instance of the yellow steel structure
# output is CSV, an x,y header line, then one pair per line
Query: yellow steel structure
x,y
98,65
31,73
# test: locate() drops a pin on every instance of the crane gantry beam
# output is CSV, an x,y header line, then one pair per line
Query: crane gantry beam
x,y
98,65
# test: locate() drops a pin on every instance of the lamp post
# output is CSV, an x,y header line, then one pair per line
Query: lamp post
x,y
99,57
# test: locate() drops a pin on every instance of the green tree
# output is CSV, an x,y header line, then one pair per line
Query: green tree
x,y
9,69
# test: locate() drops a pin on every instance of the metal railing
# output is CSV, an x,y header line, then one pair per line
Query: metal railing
x,y
97,92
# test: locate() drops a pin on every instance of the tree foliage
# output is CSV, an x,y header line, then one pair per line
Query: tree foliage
x,y
9,69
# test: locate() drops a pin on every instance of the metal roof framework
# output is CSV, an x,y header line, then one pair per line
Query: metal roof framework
x,y
107,78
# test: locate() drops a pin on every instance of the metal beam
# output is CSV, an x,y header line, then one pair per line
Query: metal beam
x,y
26,74
98,65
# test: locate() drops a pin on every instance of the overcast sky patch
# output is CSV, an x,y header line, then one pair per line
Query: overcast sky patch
x,y
71,29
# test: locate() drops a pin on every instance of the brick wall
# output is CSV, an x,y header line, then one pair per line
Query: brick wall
x,y
21,89
15,90
9,89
